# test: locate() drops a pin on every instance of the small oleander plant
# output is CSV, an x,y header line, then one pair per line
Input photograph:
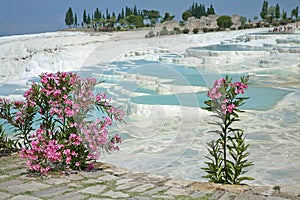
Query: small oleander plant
x,y
228,154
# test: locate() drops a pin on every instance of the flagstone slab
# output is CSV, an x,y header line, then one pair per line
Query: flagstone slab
x,y
72,196
26,187
177,192
23,197
51,192
127,186
4,195
115,195
142,188
94,190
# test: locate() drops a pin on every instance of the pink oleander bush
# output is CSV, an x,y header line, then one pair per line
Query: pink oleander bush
x,y
55,125
227,161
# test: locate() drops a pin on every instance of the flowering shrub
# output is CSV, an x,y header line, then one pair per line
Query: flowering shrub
x,y
224,102
60,106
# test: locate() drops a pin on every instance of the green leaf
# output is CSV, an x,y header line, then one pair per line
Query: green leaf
x,y
245,178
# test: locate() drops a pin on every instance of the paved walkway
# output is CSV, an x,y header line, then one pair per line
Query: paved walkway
x,y
109,182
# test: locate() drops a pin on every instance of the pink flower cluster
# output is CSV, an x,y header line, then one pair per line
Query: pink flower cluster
x,y
214,93
41,149
223,95
67,135
96,136
240,87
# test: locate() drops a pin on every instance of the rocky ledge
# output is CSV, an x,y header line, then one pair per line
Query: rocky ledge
x,y
110,182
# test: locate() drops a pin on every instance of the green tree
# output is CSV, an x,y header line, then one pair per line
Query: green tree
x,y
75,20
112,21
145,14
295,13
134,20
88,20
271,13
167,17
197,10
186,15
123,22
224,21
84,17
153,16
243,20
128,11
119,17
122,14
211,10
135,11
97,14
264,10
277,12
69,19
255,18
284,15
102,21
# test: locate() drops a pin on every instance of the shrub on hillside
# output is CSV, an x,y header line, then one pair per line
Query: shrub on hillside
x,y
185,31
195,30
164,31
206,30
177,30
224,21
150,34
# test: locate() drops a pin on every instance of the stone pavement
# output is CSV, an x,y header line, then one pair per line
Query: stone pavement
x,y
109,182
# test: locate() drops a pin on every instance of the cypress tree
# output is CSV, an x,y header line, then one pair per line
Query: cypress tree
x,y
75,20
211,10
135,12
119,17
296,12
277,12
264,10
84,17
128,11
107,14
69,19
122,14
97,14
284,16
88,20
198,10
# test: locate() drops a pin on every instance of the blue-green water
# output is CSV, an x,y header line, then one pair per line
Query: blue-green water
x,y
229,47
261,97
258,101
